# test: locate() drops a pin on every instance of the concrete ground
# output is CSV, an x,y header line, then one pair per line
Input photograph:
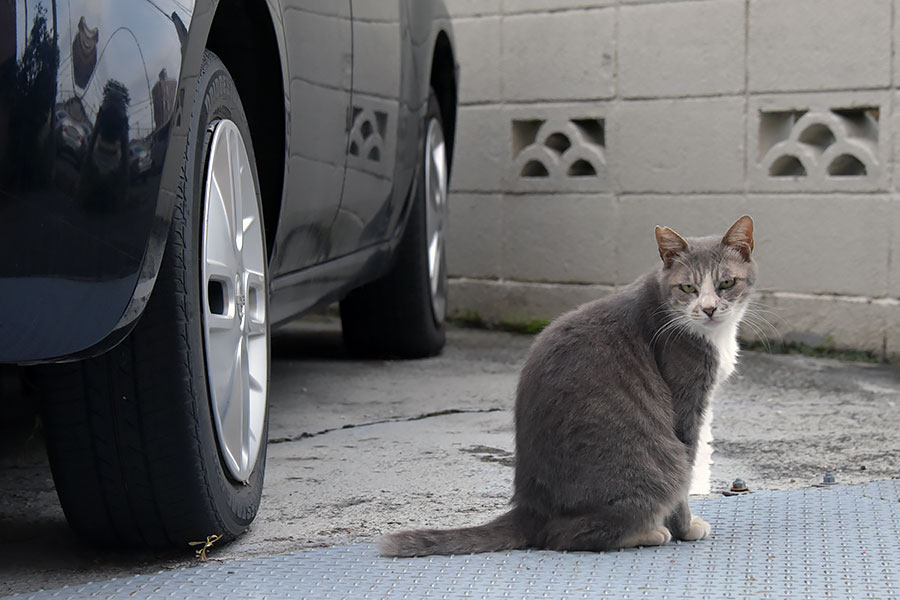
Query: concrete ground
x,y
358,448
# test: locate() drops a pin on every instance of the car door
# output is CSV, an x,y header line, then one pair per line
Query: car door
x,y
369,198
318,37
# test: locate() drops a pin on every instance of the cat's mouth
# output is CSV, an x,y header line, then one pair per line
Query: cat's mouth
x,y
711,321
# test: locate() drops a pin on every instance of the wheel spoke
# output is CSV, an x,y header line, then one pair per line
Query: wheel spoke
x,y
221,323
252,255
254,284
220,174
218,270
257,373
234,165
434,255
232,409
219,222
438,161
222,383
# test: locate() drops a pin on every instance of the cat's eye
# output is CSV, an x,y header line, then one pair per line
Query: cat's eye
x,y
688,288
726,284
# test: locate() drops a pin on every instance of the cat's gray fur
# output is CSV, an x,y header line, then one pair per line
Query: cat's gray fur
x,y
609,406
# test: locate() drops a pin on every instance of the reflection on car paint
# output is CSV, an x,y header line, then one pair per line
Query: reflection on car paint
x,y
84,149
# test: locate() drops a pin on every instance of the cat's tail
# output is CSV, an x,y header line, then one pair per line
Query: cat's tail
x,y
503,533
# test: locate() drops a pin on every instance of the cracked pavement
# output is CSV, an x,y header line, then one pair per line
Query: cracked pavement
x,y
359,448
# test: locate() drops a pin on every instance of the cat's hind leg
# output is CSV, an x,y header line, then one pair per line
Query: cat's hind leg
x,y
597,532
686,526
585,532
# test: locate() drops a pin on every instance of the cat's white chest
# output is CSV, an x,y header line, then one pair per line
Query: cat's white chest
x,y
728,355
724,340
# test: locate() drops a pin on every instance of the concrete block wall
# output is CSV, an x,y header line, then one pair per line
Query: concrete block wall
x,y
584,124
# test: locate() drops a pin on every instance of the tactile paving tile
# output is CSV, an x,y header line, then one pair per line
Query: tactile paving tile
x,y
837,542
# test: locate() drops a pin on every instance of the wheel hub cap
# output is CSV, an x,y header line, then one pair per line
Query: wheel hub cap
x,y
234,301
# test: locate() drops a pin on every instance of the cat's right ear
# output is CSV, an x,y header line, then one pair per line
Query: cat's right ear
x,y
670,244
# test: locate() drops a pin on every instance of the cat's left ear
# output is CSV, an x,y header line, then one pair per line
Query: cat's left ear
x,y
740,236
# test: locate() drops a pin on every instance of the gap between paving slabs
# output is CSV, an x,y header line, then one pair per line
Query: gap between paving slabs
x,y
440,413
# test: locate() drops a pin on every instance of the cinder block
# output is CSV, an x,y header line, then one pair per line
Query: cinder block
x,y
891,309
830,321
560,238
896,33
497,301
684,145
681,49
558,56
471,8
825,142
823,244
475,235
819,44
482,149
524,6
691,216
478,53
557,148
894,168
894,274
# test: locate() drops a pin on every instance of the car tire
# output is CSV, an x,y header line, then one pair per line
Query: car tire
x,y
402,314
141,446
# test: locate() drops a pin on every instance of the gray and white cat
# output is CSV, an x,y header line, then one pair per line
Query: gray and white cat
x,y
609,407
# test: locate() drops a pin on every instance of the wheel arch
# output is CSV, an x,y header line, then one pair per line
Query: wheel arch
x,y
243,36
444,82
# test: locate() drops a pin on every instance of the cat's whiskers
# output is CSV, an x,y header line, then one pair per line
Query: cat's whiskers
x,y
663,328
755,320
759,333
679,332
760,309
678,325
664,308
760,315
673,321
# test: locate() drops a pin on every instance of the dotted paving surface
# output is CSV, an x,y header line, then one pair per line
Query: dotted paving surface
x,y
836,542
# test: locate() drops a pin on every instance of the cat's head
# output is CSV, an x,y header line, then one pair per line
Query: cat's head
x,y
706,282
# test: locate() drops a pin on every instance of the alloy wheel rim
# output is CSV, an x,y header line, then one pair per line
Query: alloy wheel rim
x,y
436,216
234,301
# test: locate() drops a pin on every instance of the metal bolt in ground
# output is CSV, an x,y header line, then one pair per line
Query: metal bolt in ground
x,y
738,487
827,480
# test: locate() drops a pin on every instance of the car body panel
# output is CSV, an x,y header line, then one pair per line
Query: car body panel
x,y
75,224
319,58
89,173
378,127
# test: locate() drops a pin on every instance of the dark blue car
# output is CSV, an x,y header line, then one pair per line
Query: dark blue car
x,y
177,178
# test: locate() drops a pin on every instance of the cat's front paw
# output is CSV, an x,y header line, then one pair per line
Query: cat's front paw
x,y
698,530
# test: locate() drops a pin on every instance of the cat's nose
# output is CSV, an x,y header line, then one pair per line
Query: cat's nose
x,y
709,311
